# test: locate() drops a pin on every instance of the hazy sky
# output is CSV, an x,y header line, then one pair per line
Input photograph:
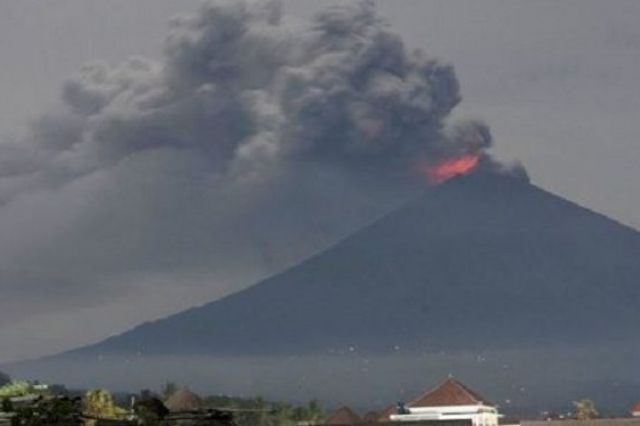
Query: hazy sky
x,y
557,82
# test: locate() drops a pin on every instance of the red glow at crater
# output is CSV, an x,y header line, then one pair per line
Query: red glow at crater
x,y
446,169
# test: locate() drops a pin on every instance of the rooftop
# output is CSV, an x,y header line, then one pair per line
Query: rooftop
x,y
343,416
449,392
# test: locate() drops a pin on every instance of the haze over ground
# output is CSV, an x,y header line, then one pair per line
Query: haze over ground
x,y
556,83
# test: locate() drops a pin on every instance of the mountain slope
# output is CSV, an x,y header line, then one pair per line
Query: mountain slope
x,y
482,260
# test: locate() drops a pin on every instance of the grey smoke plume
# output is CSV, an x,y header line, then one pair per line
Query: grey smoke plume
x,y
256,141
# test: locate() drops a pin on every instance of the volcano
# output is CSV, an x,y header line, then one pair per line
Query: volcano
x,y
526,294
481,260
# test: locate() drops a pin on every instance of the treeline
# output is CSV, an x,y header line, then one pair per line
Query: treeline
x,y
259,412
100,403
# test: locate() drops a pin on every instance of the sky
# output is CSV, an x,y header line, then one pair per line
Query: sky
x,y
97,239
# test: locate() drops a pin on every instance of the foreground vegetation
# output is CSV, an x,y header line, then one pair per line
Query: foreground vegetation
x,y
53,405
258,411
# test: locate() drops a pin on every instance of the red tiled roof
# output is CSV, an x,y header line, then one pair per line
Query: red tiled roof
x,y
371,417
449,392
384,414
636,408
343,416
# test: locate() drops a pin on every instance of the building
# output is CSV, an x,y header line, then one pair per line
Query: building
x,y
344,416
184,400
635,410
371,417
385,415
450,401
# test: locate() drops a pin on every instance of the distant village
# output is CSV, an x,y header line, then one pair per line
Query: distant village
x,y
451,403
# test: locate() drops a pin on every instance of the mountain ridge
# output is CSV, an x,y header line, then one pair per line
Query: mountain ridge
x,y
280,315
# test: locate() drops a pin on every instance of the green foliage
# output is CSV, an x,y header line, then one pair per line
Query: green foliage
x,y
258,412
150,411
585,409
61,411
7,406
15,388
99,403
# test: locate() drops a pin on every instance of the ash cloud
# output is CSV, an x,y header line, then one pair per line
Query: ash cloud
x,y
256,141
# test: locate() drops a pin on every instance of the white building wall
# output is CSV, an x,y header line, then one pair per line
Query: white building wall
x,y
480,415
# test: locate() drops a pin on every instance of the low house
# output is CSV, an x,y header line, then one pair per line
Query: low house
x,y
635,410
449,402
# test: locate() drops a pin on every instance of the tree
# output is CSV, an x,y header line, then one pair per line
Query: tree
x,y
314,413
15,388
150,411
7,406
585,409
99,403
49,412
258,412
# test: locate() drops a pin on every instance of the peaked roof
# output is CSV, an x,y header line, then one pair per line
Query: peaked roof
x,y
388,411
343,416
371,417
449,392
184,400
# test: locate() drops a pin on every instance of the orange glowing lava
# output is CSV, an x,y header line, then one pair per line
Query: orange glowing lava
x,y
446,169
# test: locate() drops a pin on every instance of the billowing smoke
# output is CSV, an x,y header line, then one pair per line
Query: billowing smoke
x,y
255,142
